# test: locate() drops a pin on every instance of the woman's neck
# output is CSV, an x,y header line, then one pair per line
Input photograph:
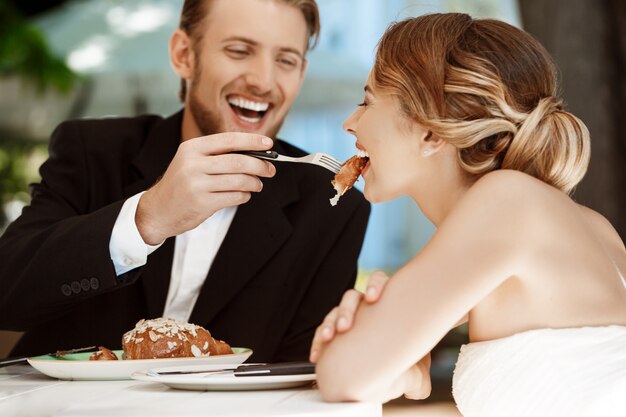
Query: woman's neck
x,y
441,195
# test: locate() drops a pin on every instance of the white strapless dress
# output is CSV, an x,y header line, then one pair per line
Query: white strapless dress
x,y
544,373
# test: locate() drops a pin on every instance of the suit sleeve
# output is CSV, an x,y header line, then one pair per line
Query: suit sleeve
x,y
57,251
335,275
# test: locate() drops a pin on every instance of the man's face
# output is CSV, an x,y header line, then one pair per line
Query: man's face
x,y
249,66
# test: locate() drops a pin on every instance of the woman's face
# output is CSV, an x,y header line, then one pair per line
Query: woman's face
x,y
392,143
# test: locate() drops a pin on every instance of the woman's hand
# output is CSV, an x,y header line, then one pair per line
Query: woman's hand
x,y
418,384
341,318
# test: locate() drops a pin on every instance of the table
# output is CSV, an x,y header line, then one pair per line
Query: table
x,y
25,391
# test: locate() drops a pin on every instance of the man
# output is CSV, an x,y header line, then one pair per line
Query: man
x,y
94,253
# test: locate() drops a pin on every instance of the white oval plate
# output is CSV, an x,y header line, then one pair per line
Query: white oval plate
x,y
221,381
77,366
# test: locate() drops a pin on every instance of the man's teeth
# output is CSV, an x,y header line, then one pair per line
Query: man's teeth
x,y
362,154
248,104
249,119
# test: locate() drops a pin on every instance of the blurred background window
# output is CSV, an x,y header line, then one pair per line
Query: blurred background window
x,y
119,47
87,58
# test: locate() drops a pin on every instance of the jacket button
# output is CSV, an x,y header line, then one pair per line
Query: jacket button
x,y
66,290
76,287
85,285
95,283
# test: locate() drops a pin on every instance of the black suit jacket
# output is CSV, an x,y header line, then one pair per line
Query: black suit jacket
x,y
284,263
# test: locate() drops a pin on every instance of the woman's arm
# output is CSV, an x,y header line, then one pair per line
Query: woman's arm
x,y
478,246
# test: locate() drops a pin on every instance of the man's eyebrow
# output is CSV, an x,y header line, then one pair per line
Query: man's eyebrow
x,y
255,43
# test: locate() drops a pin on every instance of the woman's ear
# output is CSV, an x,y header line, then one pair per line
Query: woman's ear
x,y
431,144
182,55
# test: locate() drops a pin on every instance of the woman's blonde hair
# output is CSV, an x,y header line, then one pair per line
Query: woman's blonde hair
x,y
487,88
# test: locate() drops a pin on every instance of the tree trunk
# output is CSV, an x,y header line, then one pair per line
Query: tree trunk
x,y
587,39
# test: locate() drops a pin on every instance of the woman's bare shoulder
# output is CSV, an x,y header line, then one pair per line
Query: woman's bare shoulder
x,y
497,210
509,182
601,225
509,195
506,193
508,205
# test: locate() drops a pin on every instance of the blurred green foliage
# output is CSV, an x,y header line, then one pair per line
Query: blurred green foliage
x,y
25,54
19,162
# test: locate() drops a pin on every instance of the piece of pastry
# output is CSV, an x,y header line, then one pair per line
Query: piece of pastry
x,y
347,176
169,338
103,354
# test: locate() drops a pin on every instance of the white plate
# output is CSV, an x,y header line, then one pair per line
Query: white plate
x,y
220,382
77,366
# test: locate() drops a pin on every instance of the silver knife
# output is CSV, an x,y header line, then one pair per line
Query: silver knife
x,y
261,369
58,354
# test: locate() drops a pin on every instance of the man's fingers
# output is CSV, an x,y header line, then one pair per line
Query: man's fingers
x,y
232,182
221,143
220,200
237,164
375,286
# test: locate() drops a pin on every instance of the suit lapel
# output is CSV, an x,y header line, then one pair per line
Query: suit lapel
x,y
259,229
156,278
257,232
155,155
151,162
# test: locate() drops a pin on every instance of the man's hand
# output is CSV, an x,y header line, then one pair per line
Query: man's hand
x,y
202,178
341,318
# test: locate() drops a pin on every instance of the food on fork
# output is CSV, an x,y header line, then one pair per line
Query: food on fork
x,y
348,175
169,338
103,354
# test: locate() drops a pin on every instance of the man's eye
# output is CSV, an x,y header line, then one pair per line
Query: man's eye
x,y
237,53
287,62
362,104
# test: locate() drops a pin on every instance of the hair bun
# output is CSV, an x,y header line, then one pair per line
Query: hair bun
x,y
550,144
545,107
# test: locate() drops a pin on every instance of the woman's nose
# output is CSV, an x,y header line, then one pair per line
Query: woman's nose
x,y
349,124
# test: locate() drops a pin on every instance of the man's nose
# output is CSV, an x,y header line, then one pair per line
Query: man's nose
x,y
261,77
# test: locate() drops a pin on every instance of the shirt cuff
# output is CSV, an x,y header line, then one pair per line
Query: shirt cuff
x,y
127,248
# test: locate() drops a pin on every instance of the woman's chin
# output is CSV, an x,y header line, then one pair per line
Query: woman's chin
x,y
374,197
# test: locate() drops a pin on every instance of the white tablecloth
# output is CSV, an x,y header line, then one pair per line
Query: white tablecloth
x,y
26,392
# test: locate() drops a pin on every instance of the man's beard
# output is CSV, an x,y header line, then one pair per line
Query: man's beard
x,y
209,122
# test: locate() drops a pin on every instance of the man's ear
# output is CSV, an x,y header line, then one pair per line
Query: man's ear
x,y
182,56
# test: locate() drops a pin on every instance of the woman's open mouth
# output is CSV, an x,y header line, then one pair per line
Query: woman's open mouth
x,y
363,154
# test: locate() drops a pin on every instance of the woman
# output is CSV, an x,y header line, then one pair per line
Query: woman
x,y
463,116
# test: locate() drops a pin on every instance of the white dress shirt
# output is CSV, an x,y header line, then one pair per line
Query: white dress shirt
x,y
194,252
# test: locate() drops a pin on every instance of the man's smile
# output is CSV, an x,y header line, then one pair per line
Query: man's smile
x,y
247,110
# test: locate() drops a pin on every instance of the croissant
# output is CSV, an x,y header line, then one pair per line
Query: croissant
x,y
169,338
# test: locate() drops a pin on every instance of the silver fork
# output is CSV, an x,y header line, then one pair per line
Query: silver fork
x,y
321,159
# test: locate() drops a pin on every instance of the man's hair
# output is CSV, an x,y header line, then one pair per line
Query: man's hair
x,y
489,89
195,12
